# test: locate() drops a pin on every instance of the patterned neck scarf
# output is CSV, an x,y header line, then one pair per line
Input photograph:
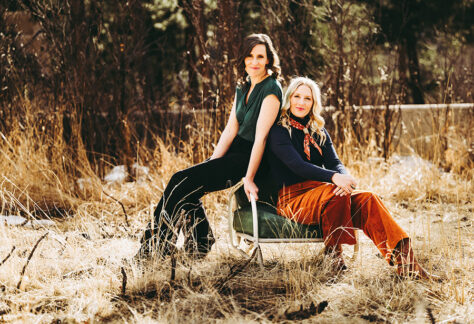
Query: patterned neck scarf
x,y
307,137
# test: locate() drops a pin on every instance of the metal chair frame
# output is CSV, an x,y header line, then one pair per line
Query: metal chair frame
x,y
255,239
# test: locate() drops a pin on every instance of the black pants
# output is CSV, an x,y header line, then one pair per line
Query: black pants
x,y
184,191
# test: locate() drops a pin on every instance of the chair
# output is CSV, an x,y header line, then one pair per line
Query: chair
x,y
258,222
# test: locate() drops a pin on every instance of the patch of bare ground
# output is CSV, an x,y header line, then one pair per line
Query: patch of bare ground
x,y
77,272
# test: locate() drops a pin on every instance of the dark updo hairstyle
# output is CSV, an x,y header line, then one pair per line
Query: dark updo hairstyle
x,y
273,61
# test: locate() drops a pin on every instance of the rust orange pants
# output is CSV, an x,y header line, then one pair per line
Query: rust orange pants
x,y
313,202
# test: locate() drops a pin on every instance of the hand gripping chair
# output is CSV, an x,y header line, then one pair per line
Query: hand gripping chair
x,y
258,222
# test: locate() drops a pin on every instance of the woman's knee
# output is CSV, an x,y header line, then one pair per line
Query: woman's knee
x,y
365,196
186,185
362,199
345,198
178,177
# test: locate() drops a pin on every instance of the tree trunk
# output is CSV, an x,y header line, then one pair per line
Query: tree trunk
x,y
229,32
414,68
402,71
194,12
191,66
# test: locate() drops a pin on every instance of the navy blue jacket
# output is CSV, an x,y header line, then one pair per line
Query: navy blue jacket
x,y
288,162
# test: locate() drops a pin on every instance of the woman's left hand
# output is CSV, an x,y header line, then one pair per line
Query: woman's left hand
x,y
250,188
345,184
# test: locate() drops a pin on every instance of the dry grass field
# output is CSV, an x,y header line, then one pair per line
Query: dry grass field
x,y
82,270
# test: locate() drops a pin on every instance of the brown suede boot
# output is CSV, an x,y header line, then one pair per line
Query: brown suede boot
x,y
335,253
407,265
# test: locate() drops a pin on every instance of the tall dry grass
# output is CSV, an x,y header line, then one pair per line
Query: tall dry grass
x,y
76,273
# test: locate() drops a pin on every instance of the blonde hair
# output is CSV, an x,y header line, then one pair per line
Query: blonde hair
x,y
316,121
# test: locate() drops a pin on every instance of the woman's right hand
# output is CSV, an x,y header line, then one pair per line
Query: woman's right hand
x,y
345,184
250,188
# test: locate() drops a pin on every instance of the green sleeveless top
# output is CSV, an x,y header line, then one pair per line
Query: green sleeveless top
x,y
247,113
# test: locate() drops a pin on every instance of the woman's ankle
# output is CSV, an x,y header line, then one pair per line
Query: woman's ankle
x,y
403,252
335,253
333,249
407,265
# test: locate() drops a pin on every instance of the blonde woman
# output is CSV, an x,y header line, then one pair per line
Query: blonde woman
x,y
315,188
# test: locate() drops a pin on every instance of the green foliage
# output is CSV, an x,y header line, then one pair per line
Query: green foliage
x,y
165,13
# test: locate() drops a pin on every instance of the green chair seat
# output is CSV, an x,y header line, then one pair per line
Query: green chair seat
x,y
272,225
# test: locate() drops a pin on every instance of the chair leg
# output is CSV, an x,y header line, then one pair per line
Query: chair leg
x,y
260,257
356,246
238,249
247,247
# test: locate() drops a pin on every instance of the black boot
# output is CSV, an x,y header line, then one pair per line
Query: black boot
x,y
198,234
152,243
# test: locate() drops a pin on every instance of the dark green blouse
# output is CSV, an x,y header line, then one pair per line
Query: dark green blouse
x,y
247,113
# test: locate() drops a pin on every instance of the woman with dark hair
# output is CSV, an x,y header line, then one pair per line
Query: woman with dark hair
x,y
315,188
238,154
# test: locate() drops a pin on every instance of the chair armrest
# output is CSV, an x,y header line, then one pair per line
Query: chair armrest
x,y
254,217
230,215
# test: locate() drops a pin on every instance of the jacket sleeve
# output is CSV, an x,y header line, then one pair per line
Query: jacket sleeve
x,y
283,149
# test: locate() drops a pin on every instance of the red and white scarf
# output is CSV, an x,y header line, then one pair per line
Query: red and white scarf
x,y
307,137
